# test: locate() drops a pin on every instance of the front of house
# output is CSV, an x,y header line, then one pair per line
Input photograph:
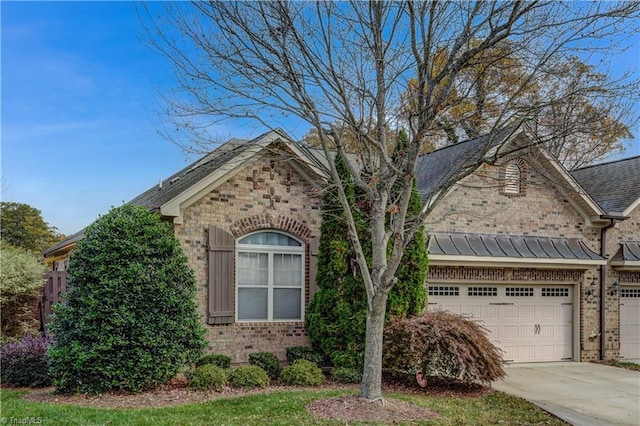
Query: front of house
x,y
517,245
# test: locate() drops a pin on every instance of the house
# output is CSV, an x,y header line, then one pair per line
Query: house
x,y
547,259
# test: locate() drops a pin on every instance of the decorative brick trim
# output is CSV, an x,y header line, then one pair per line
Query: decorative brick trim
x,y
628,277
465,274
455,273
560,275
270,221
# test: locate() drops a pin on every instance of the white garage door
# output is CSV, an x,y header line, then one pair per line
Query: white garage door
x,y
630,322
529,323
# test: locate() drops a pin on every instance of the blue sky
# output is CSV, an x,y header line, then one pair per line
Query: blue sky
x,y
78,124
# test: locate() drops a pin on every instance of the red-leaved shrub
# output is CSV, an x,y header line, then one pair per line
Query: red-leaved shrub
x,y
25,363
441,344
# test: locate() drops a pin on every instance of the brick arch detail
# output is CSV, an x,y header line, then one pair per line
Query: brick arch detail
x,y
270,221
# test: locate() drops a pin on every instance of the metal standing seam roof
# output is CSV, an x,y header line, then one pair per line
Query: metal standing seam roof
x,y
523,247
629,251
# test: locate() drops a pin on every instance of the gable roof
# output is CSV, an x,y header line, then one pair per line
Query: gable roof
x,y
179,182
435,169
615,185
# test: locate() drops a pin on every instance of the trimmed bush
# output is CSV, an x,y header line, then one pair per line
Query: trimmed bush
x,y
222,361
441,344
208,377
129,321
268,362
25,363
295,353
346,375
249,376
302,373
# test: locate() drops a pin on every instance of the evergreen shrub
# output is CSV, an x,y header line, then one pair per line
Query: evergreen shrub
x,y
129,321
302,373
335,319
249,376
346,375
268,362
208,377
222,361
25,363
295,353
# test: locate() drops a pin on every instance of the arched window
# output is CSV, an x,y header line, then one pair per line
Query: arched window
x,y
270,277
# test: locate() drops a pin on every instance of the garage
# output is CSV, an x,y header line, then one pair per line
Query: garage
x,y
530,323
630,322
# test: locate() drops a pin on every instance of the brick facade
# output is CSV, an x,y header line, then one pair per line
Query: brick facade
x,y
479,205
266,194
627,230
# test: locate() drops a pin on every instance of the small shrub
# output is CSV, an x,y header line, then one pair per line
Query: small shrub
x,y
268,362
302,373
208,377
222,361
346,375
441,344
249,376
295,353
25,363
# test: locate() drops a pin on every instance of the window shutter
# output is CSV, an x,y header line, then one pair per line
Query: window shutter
x,y
313,266
221,285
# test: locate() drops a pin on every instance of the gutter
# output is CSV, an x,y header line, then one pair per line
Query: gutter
x,y
603,286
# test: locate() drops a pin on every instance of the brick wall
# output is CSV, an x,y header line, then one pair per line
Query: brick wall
x,y
478,205
267,194
627,230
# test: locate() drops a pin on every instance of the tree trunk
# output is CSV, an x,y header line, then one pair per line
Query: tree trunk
x,y
371,387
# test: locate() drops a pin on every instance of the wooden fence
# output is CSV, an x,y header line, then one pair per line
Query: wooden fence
x,y
55,286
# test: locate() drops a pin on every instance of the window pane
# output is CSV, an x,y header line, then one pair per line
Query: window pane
x,y
287,270
286,304
271,239
253,269
252,304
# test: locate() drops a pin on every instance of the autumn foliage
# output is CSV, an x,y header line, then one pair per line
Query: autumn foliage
x,y
441,344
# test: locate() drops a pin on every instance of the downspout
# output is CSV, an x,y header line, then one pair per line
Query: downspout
x,y
603,285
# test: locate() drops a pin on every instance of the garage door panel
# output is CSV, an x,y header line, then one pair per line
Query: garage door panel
x,y
525,311
529,323
630,322
545,312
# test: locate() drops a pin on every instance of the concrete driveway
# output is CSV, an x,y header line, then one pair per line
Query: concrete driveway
x,y
579,393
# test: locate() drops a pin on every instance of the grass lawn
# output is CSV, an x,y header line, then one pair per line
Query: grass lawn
x,y
621,364
277,408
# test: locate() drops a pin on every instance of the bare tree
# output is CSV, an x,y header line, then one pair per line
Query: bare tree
x,y
350,63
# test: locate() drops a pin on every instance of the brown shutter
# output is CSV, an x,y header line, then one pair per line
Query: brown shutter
x,y
221,285
313,266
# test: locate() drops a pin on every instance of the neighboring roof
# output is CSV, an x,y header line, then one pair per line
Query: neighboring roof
x,y
68,242
615,186
628,256
435,169
509,248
